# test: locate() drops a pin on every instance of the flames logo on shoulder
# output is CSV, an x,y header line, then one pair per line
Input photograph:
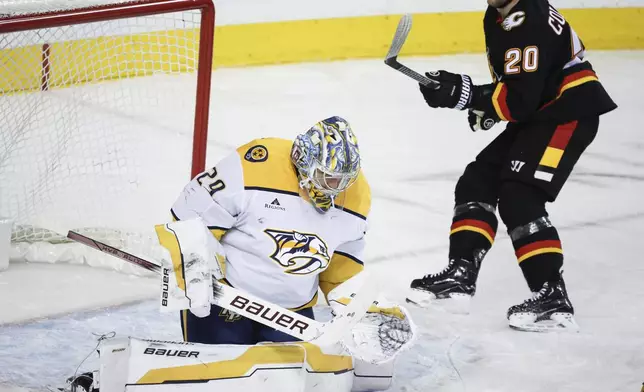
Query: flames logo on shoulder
x,y
299,253
513,20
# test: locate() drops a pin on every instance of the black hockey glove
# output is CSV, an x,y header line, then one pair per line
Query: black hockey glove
x,y
480,120
453,91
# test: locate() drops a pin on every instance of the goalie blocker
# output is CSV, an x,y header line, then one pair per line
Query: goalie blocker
x,y
159,366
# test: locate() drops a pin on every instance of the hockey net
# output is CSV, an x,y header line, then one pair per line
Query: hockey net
x,y
103,117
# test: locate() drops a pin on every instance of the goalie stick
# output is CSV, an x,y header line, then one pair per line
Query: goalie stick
x,y
391,59
254,308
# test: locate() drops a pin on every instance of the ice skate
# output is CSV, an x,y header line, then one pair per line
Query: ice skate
x,y
549,309
451,289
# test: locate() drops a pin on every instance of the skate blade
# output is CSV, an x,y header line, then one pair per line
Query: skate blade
x,y
558,322
456,303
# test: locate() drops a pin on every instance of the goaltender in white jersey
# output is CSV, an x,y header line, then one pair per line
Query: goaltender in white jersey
x,y
277,246
290,218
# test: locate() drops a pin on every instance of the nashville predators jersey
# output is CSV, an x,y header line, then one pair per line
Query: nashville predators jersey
x,y
539,67
277,245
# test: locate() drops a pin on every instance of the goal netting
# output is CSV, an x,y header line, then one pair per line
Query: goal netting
x,y
103,116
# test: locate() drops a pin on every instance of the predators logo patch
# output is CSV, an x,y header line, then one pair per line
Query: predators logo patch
x,y
257,153
230,317
299,253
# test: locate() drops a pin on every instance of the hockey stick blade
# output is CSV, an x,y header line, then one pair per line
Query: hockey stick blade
x,y
391,59
402,31
249,306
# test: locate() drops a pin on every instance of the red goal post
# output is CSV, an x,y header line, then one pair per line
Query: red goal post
x,y
88,88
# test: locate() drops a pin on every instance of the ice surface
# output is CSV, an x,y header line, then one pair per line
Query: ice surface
x,y
413,157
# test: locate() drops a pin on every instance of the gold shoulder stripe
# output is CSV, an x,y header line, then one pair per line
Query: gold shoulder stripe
x,y
357,199
269,166
348,211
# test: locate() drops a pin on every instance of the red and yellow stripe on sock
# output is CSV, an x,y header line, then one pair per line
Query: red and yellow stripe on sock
x,y
552,155
474,225
538,248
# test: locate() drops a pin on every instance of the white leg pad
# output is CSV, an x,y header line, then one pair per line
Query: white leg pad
x,y
157,366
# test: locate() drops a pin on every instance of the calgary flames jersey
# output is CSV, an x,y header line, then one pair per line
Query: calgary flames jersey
x,y
278,246
538,66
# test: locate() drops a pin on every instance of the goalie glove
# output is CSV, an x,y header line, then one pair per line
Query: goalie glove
x,y
384,332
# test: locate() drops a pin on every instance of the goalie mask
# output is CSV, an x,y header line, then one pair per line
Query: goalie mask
x,y
327,159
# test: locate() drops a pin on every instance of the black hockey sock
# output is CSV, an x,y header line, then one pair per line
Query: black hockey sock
x,y
473,230
538,250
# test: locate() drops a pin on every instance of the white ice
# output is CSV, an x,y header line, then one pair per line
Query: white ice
x,y
413,157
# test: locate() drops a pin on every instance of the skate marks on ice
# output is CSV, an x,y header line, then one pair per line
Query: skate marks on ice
x,y
31,291
4,388
457,353
406,202
44,353
436,362
617,177
625,159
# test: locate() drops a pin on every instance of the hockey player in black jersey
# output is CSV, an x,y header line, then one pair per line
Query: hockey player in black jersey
x,y
552,99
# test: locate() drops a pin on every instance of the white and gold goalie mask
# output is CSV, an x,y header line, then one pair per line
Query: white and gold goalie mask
x,y
327,158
